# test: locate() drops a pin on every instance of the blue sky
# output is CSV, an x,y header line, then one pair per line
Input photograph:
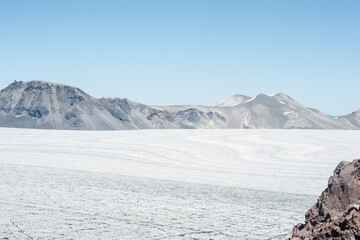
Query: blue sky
x,y
188,51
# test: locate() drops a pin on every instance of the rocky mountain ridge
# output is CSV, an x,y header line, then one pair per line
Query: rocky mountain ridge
x,y
40,104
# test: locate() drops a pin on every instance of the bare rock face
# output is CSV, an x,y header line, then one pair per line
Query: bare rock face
x,y
336,215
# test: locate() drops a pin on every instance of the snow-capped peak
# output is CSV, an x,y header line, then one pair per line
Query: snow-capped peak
x,y
232,101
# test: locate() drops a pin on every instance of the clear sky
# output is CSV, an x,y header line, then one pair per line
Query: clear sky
x,y
188,51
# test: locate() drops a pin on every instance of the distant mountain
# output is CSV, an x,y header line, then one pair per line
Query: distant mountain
x,y
279,111
353,118
39,104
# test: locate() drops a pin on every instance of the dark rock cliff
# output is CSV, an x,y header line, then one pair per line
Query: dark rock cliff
x,y
336,215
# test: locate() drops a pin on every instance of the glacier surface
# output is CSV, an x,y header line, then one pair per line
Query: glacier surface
x,y
164,184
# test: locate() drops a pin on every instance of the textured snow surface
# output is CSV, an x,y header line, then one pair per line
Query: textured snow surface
x,y
164,184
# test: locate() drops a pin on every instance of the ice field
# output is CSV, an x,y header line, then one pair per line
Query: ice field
x,y
164,184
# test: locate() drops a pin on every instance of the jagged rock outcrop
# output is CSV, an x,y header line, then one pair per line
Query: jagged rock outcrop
x,y
336,215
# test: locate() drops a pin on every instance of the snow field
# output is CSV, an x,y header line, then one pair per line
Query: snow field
x,y
164,184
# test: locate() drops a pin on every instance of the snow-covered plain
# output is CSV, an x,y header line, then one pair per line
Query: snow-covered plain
x,y
164,184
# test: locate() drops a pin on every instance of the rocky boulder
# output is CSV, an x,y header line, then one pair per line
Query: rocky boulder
x,y
336,215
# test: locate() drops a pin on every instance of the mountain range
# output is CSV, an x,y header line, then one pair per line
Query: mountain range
x,y
45,105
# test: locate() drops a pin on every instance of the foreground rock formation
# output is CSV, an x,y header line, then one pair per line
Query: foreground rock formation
x,y
336,215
